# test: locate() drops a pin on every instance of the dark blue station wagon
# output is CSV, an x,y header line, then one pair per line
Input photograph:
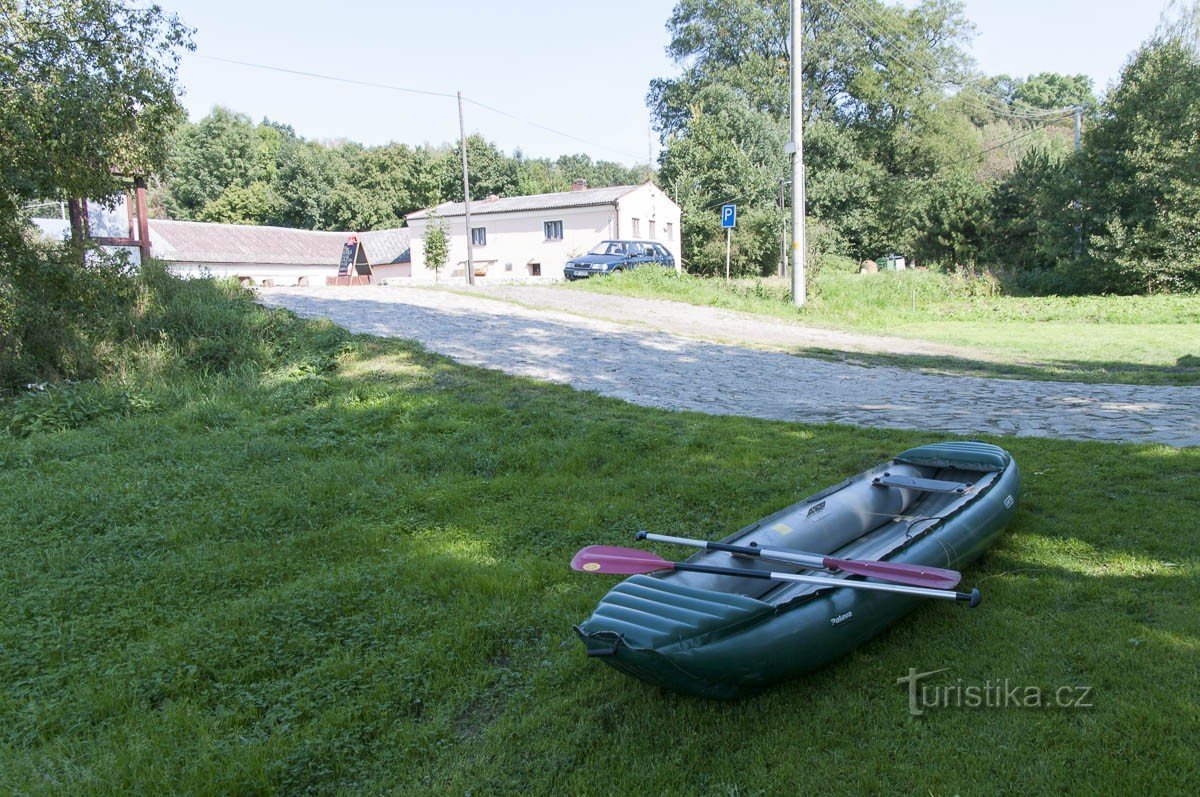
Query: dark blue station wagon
x,y
613,257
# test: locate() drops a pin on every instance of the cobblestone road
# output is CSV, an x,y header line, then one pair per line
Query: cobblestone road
x,y
676,369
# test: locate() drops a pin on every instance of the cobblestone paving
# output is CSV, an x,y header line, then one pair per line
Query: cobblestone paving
x,y
646,366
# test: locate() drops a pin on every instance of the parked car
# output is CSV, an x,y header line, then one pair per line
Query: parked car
x,y
613,257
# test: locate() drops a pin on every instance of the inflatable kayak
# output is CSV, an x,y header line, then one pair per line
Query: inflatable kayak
x,y
736,626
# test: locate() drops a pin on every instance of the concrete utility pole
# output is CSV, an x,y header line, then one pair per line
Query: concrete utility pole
x,y
462,139
1078,127
783,261
796,148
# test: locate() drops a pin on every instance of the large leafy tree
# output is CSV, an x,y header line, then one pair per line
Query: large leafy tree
x,y
87,91
875,90
87,88
1140,173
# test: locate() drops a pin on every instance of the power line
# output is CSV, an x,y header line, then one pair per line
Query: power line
x,y
407,90
547,129
333,78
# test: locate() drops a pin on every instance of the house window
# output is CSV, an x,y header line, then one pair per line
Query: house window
x,y
651,229
553,230
479,236
637,228
670,231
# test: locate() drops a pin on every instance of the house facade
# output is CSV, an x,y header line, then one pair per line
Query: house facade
x,y
529,238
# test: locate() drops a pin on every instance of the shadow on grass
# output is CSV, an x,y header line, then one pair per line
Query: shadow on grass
x,y
1185,372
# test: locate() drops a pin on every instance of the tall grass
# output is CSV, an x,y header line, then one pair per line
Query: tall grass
x,y
168,337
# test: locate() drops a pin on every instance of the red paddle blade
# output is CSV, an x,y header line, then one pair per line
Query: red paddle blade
x,y
917,575
610,559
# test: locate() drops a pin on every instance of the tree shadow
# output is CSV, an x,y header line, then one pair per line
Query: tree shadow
x,y
1185,371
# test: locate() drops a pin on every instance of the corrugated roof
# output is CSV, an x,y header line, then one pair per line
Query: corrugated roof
x,y
385,247
561,199
204,242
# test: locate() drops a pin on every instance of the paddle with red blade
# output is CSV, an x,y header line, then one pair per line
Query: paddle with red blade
x,y
916,575
626,561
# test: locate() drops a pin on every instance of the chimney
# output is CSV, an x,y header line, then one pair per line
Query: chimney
x,y
492,198
579,184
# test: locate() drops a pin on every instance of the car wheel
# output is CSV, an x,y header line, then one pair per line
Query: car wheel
x,y
616,272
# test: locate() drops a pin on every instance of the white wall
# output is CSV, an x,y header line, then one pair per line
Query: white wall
x,y
647,204
282,275
518,239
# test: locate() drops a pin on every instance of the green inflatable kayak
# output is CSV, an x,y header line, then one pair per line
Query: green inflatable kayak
x,y
721,635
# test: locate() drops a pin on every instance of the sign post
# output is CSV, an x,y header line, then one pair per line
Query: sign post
x,y
728,221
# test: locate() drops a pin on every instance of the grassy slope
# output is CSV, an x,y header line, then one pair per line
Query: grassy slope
x,y
356,579
1134,339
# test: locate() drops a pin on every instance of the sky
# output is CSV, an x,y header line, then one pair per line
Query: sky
x,y
558,77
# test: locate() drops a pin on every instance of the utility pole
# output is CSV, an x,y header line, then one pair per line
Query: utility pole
x,y
796,148
462,143
1078,205
783,261
649,153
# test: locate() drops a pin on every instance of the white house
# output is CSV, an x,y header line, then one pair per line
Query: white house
x,y
530,237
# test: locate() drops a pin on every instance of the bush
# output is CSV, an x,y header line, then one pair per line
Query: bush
x,y
58,309
69,406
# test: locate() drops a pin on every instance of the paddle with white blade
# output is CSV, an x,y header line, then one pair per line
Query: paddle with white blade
x,y
916,575
626,561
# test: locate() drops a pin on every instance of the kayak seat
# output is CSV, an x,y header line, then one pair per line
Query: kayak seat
x,y
650,612
924,485
972,456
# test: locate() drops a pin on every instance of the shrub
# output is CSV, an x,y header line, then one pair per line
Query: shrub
x,y
55,409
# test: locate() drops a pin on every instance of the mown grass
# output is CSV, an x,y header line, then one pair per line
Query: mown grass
x,y
346,570
1126,339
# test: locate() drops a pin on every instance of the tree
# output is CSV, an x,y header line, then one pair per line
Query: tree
x,y
87,91
875,80
1140,173
1050,90
437,245
87,88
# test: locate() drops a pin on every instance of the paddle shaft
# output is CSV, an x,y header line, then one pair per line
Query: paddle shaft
x,y
915,575
808,560
972,597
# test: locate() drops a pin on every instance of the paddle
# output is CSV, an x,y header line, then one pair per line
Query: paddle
x,y
917,575
609,559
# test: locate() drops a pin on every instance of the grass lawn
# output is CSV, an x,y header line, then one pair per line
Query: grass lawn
x,y
1128,339
349,573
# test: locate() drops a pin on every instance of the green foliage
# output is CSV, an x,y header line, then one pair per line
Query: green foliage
x,y
58,315
1140,175
70,406
225,168
85,86
1050,90
437,244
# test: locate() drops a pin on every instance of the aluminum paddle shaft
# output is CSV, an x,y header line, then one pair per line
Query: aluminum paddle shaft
x,y
899,572
626,561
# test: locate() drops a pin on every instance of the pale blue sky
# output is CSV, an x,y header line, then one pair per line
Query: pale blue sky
x,y
581,68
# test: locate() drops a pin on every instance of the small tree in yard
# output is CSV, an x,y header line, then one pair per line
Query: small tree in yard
x,y
437,246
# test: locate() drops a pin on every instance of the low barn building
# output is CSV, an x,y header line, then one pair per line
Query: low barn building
x,y
531,237
277,255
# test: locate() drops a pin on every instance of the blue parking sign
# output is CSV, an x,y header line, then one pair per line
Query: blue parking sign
x,y
728,216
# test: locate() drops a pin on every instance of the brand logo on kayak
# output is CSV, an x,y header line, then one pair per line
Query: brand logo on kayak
x,y
1008,502
841,618
814,510
989,694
